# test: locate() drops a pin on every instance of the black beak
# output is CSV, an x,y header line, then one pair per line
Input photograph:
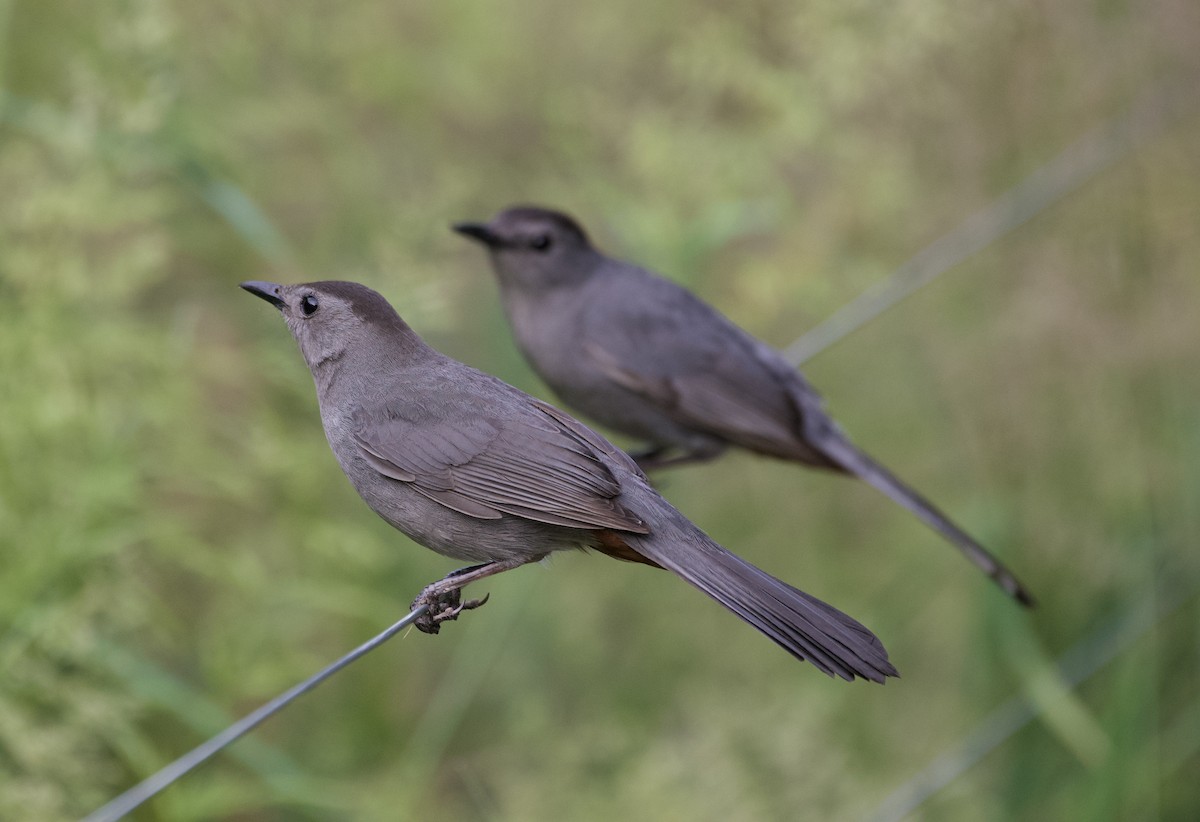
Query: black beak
x,y
480,232
267,291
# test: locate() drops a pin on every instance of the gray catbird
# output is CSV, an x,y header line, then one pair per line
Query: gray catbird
x,y
476,470
646,357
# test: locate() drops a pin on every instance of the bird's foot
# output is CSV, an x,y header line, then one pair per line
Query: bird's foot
x,y
443,599
443,604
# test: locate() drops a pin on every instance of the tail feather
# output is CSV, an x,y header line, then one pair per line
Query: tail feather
x,y
838,448
803,625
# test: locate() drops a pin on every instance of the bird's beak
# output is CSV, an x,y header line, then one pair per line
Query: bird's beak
x,y
480,232
267,291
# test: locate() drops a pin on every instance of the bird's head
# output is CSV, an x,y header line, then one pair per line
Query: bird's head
x,y
533,247
333,319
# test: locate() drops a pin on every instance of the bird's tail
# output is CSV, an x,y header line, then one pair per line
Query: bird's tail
x,y
838,447
803,625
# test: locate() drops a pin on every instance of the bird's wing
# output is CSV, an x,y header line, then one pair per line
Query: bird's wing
x,y
538,464
702,370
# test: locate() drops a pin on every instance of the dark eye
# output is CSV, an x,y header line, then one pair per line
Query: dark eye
x,y
309,305
541,242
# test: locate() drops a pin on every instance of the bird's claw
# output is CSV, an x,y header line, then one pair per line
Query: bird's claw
x,y
442,606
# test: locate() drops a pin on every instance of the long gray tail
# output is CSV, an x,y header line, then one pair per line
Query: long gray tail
x,y
838,448
803,625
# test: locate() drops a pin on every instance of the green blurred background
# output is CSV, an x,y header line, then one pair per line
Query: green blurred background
x,y
177,544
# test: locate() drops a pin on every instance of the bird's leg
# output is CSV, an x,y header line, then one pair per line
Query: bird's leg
x,y
444,597
652,459
648,454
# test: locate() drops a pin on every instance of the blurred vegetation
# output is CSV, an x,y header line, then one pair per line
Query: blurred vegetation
x,y
177,544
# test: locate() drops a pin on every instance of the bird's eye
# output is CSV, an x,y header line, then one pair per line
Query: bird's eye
x,y
309,305
540,242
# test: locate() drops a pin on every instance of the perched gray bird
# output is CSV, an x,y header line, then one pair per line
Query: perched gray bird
x,y
474,469
646,357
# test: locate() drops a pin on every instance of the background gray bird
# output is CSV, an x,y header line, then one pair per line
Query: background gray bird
x,y
475,469
646,357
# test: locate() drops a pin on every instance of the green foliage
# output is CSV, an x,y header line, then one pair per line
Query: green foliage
x,y
178,545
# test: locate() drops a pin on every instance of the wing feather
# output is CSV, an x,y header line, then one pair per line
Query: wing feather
x,y
703,371
539,464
